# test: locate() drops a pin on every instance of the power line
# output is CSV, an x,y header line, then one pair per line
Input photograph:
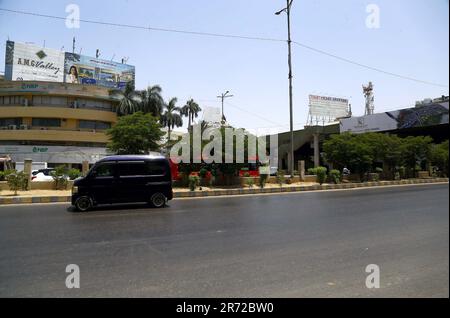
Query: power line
x,y
149,28
367,66
253,114
233,36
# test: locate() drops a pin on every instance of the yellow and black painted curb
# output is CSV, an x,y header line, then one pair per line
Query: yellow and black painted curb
x,y
240,191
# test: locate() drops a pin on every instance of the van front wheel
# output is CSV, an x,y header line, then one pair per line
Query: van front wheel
x,y
83,204
158,200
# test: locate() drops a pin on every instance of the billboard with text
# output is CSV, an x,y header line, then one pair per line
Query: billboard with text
x,y
326,107
427,115
81,69
28,62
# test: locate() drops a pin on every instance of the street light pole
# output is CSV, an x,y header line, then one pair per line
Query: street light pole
x,y
291,120
222,97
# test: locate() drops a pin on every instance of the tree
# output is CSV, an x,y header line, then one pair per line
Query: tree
x,y
129,99
416,153
152,101
138,133
439,156
172,116
191,110
351,151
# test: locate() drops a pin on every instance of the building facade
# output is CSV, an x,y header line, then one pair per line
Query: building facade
x,y
57,123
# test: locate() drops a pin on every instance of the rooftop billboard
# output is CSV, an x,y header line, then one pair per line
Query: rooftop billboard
x,y
327,108
28,62
422,116
25,62
81,69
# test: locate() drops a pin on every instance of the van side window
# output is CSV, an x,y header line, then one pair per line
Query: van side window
x,y
105,170
137,168
156,168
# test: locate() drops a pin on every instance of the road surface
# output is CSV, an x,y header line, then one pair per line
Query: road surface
x,y
314,244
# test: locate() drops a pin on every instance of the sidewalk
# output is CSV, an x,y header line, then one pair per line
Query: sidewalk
x,y
53,196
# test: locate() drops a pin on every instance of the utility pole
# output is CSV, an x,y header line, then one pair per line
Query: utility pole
x,y
222,97
288,13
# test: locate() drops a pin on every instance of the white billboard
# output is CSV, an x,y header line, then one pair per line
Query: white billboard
x,y
28,62
428,115
326,107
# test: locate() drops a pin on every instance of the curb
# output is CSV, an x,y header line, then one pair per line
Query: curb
x,y
228,192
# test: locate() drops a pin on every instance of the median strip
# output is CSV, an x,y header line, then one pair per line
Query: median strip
x,y
5,200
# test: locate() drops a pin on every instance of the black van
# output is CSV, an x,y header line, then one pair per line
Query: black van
x,y
124,179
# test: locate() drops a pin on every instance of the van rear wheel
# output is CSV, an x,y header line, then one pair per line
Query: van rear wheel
x,y
83,204
158,200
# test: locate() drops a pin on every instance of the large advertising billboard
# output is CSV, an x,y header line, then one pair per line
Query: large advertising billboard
x,y
326,107
81,69
28,62
426,115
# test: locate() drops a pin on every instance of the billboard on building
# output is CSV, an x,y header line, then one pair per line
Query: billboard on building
x,y
327,108
28,62
427,115
81,69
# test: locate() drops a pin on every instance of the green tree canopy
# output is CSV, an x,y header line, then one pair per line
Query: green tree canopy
x,y
362,152
439,157
138,133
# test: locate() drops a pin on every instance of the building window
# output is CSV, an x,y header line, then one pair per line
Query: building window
x,y
46,122
94,104
10,121
11,100
50,101
92,124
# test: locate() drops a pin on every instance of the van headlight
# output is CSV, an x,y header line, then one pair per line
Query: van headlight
x,y
74,189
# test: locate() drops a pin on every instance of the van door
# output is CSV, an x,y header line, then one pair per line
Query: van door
x,y
103,182
133,180
160,178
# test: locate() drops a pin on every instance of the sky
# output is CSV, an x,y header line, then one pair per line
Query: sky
x,y
412,40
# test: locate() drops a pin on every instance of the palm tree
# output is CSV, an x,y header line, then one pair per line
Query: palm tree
x,y
172,116
129,99
152,101
191,110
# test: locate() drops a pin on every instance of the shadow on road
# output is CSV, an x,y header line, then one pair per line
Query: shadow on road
x,y
117,207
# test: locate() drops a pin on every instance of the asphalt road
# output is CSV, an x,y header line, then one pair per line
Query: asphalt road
x,y
314,244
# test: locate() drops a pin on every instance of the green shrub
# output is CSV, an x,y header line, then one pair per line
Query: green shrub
x,y
193,182
335,176
321,174
59,176
311,171
4,174
250,182
379,170
203,172
280,178
246,174
17,181
73,173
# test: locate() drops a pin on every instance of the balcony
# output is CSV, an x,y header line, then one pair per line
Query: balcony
x,y
53,134
57,112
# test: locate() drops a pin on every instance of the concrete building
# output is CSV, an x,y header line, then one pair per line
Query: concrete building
x,y
57,123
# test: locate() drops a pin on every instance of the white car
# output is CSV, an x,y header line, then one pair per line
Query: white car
x,y
40,176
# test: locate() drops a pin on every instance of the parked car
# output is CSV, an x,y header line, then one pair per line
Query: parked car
x,y
42,175
124,179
